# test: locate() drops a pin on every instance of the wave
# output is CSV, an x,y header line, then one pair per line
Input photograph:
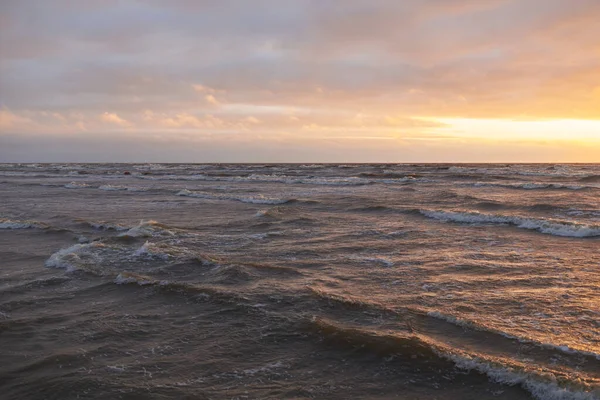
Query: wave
x,y
35,284
150,250
77,185
547,226
590,178
380,261
147,229
112,187
532,186
122,188
105,226
287,179
476,326
75,257
254,200
541,386
191,289
554,171
351,303
17,224
546,385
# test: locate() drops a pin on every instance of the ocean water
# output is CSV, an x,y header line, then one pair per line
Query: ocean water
x,y
299,281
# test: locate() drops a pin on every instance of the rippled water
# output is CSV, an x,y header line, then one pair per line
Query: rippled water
x,y
300,281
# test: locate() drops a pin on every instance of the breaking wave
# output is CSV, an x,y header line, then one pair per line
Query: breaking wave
x,y
77,185
474,325
147,229
13,224
547,386
532,186
254,200
305,180
75,257
547,226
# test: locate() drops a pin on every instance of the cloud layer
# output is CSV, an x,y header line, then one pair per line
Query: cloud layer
x,y
290,75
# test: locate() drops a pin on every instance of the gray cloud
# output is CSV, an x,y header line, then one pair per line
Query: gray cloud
x,y
292,64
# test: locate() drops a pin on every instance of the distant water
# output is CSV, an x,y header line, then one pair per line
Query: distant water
x,y
299,281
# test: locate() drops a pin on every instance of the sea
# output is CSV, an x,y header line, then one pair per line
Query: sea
x,y
300,281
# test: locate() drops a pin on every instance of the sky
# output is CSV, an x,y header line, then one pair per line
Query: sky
x,y
299,81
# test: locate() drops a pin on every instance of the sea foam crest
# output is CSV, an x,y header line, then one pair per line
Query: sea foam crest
x,y
112,187
211,196
150,250
12,224
551,227
306,180
77,185
71,257
146,229
126,278
540,389
531,185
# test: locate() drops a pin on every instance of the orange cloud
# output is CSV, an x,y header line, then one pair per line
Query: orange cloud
x,y
113,118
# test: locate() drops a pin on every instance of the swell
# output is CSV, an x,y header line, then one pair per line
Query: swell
x,y
243,199
492,205
547,226
188,289
532,186
431,323
590,178
590,356
6,223
286,179
35,284
546,385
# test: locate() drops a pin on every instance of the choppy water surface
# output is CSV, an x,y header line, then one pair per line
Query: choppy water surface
x,y
299,281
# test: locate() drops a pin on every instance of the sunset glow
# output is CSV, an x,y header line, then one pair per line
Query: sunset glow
x,y
457,80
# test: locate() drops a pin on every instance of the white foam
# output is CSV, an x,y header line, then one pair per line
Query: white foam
x,y
548,226
112,187
12,224
107,226
149,250
531,185
261,213
115,368
146,229
306,180
558,172
212,196
540,388
70,258
77,185
124,278
265,368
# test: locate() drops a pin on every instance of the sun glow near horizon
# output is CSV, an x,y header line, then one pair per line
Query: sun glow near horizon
x,y
305,82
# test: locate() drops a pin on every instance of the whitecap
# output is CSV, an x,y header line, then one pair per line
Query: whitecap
x,y
12,224
541,389
70,258
146,229
112,187
149,250
260,199
548,226
77,185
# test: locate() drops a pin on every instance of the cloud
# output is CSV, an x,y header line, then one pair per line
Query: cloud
x,y
113,118
296,68
210,99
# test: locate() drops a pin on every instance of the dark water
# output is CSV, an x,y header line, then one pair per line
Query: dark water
x,y
299,281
